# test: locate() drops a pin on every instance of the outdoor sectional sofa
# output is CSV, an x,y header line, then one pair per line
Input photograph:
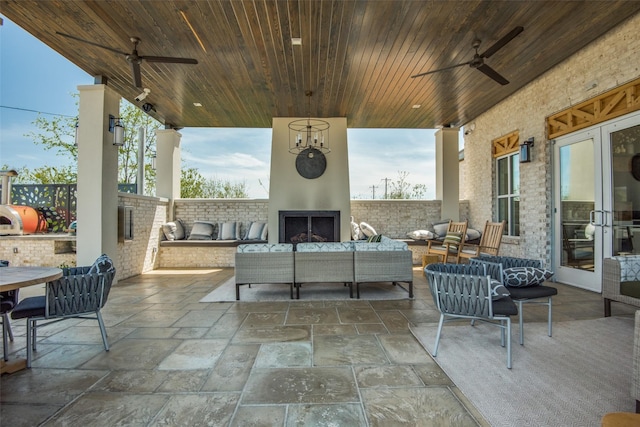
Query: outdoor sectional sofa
x,y
353,262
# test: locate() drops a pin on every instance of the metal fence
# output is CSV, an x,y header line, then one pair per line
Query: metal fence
x,y
57,202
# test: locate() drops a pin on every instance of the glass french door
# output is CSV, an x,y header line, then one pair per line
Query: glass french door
x,y
596,199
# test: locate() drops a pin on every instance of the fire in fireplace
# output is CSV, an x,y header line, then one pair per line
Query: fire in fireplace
x,y
309,226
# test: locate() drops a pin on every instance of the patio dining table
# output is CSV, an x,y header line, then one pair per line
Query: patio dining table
x,y
19,277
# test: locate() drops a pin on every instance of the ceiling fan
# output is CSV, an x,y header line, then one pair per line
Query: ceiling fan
x,y
478,59
133,58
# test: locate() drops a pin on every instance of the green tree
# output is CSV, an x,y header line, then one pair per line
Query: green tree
x,y
58,135
402,189
194,186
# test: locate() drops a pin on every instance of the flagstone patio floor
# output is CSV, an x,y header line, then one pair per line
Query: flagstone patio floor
x,y
175,361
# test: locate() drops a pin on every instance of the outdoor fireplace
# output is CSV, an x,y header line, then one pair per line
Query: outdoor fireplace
x,y
309,226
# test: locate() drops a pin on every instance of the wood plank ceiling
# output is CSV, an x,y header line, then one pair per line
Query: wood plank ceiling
x,y
356,56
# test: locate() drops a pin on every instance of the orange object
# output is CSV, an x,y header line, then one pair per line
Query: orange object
x,y
32,220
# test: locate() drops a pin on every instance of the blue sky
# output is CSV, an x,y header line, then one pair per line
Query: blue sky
x,y
34,77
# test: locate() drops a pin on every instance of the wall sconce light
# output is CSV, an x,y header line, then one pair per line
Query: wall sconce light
x,y
116,127
525,150
153,160
75,141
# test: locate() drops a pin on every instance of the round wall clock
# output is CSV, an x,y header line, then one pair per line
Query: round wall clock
x,y
311,163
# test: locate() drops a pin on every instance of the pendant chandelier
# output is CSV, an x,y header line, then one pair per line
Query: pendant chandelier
x,y
308,133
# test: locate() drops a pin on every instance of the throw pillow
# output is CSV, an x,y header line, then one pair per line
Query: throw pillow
x,y
453,238
264,235
421,235
472,234
181,230
376,238
355,231
254,231
169,230
367,229
201,230
498,291
101,265
229,231
440,228
520,277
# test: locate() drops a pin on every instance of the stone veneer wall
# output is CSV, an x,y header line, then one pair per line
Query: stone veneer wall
x,y
141,254
607,62
38,250
134,256
393,218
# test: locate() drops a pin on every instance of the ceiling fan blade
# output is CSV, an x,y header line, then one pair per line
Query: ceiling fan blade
x,y
503,41
493,74
441,69
135,72
169,59
91,43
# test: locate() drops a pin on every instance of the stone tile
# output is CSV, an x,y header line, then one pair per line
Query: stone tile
x,y
358,315
431,406
403,349
258,320
233,368
259,416
371,328
183,381
66,356
312,316
198,319
132,354
86,335
334,330
284,355
226,326
194,354
153,318
111,409
386,376
273,334
431,374
394,321
325,415
26,415
258,307
47,386
332,350
153,333
300,385
142,381
191,333
204,409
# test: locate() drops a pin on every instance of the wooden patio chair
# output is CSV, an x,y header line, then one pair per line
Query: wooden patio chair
x,y
489,242
452,244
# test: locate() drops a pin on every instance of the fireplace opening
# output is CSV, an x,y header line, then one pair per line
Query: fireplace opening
x,y
309,226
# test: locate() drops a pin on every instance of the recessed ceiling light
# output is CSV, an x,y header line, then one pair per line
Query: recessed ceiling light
x,y
296,41
197,104
416,106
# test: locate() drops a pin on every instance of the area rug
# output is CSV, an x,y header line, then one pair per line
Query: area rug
x,y
309,291
571,379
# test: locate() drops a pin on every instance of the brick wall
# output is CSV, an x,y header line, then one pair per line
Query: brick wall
x,y
607,62
141,253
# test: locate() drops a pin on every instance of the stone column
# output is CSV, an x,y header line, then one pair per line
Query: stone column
x,y
97,209
168,167
447,173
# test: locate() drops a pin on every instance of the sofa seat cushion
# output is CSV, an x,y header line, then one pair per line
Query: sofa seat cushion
x,y
324,247
265,247
630,289
532,292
